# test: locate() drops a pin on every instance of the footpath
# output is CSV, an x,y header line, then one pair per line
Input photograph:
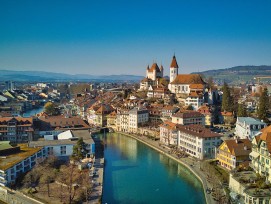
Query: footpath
x,y
98,172
190,163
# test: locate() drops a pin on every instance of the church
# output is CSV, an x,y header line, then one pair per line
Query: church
x,y
178,83
189,88
184,83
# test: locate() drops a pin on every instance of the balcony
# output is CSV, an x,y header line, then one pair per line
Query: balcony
x,y
2,176
3,182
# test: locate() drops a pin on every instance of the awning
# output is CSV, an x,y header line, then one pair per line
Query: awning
x,y
254,154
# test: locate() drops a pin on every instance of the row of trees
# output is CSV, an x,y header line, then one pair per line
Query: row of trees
x,y
230,103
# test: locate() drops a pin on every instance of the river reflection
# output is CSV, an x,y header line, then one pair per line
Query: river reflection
x,y
135,173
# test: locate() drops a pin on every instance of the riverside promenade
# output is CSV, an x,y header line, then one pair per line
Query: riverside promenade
x,y
98,170
190,163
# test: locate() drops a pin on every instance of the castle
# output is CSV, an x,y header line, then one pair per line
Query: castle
x,y
189,88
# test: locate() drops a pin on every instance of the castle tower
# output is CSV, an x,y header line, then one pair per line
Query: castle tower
x,y
173,69
147,71
162,71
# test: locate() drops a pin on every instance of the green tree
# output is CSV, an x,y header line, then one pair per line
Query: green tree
x,y
242,112
227,99
79,150
190,107
49,108
263,105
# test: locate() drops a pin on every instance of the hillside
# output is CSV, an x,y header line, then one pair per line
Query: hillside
x,y
239,74
39,76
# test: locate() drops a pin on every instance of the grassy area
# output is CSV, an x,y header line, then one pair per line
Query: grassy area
x,y
13,159
213,169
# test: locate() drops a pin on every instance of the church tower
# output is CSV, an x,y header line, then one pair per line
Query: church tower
x,y
173,69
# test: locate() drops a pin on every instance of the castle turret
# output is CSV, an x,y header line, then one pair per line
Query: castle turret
x,y
147,70
162,71
173,69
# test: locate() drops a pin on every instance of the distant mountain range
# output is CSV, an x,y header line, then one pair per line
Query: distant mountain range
x,y
233,75
40,76
238,74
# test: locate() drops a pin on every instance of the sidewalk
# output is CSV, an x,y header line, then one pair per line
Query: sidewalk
x,y
192,164
97,179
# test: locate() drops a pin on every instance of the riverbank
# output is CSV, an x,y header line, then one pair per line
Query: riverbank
x,y
190,163
98,170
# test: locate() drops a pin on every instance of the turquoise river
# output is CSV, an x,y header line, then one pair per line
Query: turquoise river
x,y
135,173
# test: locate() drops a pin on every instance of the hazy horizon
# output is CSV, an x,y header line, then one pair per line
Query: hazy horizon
x,y
120,37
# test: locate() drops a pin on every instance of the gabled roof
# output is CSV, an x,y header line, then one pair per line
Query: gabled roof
x,y
61,122
188,79
250,121
154,67
104,108
266,136
174,63
169,125
19,120
239,147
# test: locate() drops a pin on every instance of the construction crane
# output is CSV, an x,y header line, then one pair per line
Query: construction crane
x,y
262,77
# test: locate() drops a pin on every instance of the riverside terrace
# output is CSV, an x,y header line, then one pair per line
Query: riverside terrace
x,y
251,187
15,163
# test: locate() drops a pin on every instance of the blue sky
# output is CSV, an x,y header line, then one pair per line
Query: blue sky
x,y
123,37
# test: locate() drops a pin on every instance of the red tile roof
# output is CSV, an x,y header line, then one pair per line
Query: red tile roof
x,y
188,79
239,147
196,86
198,130
266,136
169,125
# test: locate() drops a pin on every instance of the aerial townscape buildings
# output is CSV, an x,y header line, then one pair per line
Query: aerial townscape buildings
x,y
185,115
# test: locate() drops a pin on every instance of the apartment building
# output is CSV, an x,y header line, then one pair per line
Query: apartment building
x,y
198,141
137,117
62,147
168,133
261,153
188,117
17,160
232,153
247,127
16,129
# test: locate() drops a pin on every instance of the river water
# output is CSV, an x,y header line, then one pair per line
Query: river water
x,y
33,112
135,173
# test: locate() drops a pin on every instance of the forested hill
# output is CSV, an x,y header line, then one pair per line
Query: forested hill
x,y
239,74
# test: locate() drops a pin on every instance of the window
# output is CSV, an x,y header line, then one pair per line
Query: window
x,y
63,150
50,150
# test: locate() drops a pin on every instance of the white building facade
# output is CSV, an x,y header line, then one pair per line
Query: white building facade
x,y
198,141
247,127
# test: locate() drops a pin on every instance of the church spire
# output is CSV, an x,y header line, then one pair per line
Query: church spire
x,y
174,63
